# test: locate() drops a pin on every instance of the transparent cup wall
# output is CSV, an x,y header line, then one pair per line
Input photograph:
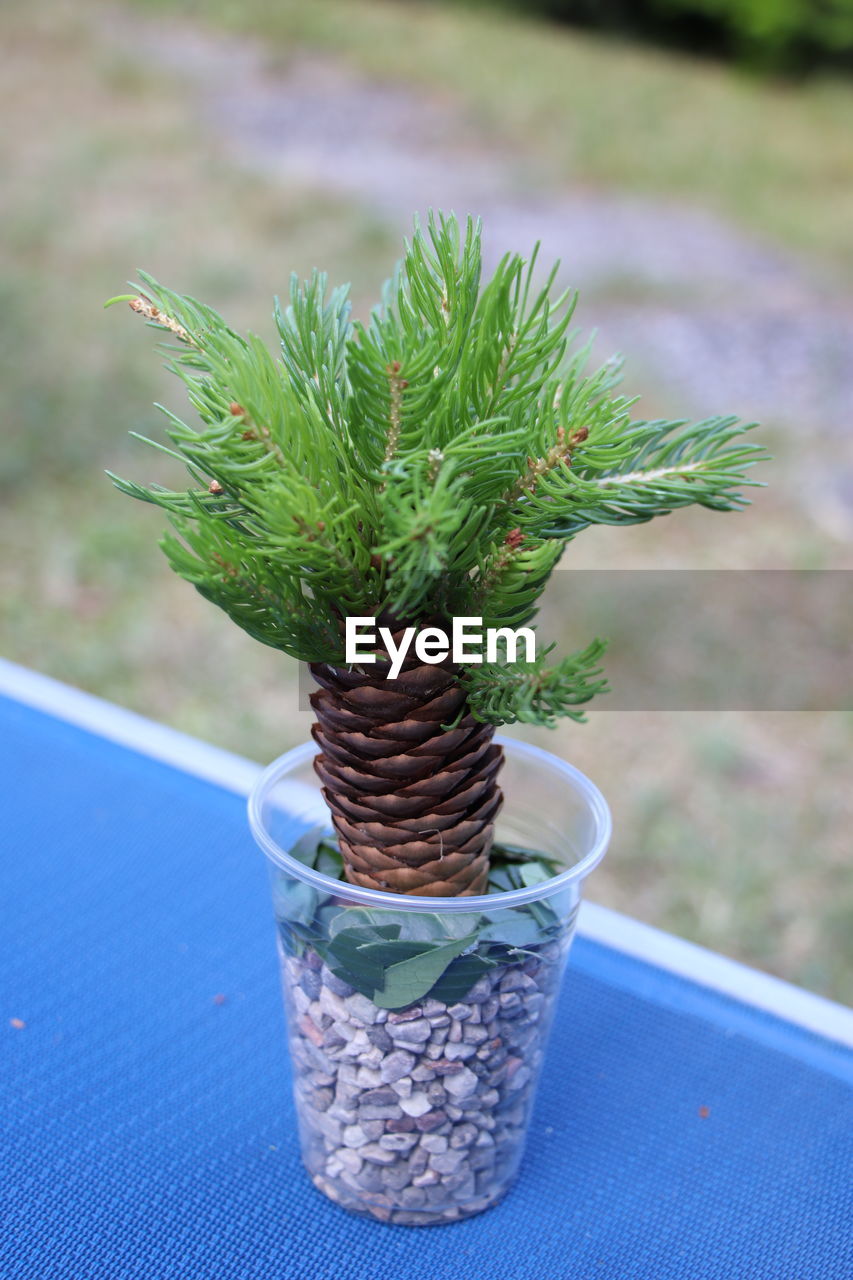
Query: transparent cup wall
x,y
417,1113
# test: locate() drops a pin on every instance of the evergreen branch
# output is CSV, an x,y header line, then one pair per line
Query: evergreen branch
x,y
674,466
532,692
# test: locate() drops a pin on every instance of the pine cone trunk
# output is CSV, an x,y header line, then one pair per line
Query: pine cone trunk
x,y
413,804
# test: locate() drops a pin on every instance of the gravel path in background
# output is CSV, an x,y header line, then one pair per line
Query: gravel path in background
x,y
718,318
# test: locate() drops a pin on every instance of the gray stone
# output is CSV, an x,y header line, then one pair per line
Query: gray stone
x,y
461,1085
332,1039
480,991
398,1141
430,1121
519,1079
316,1057
489,1009
384,1096
459,1052
447,1161
376,1154
397,1016
328,1126
515,980
374,1128
439,1020
436,1093
368,1112
484,1139
432,1008
334,1006
444,1067
395,1178
379,1037
404,1125
434,1143
368,1078
533,1005
334,984
322,1099
346,1113
413,1197
301,1001
310,983
454,1035
416,1032
396,1065
422,1073
429,1178
460,1011
417,1105
432,1052
354,1136
454,1113
463,1135
474,1034
403,1087
362,1008
350,1159
370,1178
463,1184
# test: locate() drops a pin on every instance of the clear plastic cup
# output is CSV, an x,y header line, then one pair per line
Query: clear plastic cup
x,y
417,1112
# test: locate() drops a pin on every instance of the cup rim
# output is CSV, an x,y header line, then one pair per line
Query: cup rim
x,y
572,876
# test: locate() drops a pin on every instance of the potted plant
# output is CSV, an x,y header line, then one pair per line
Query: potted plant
x,y
386,502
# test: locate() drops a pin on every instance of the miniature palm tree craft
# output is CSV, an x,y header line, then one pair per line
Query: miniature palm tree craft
x,y
430,464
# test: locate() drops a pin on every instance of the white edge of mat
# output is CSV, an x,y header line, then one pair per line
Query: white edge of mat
x,y
600,924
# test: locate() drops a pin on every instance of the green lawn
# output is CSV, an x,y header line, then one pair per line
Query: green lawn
x,y
731,828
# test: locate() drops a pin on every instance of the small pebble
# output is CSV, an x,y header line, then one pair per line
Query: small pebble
x,y
417,1032
376,1154
398,1141
461,1085
463,1135
417,1105
431,1120
396,1065
446,1161
350,1159
459,1052
397,1016
435,1143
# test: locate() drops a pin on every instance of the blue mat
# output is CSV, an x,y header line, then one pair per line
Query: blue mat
x,y
148,1130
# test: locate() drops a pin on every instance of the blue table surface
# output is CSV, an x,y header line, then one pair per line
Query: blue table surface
x,y
148,1130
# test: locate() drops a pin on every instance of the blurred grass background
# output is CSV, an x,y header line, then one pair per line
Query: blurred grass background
x,y
732,828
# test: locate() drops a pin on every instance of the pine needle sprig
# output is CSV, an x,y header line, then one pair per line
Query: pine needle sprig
x,y
533,692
